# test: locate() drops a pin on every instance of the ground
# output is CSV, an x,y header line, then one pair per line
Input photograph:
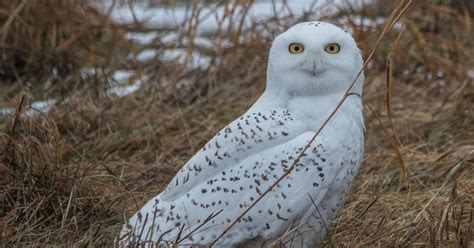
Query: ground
x,y
73,174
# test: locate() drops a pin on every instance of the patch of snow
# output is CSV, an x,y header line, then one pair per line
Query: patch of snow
x,y
429,75
37,107
120,79
147,54
470,73
122,75
211,20
211,15
85,72
142,37
7,111
120,88
441,82
178,55
363,21
370,64
122,91
170,37
203,42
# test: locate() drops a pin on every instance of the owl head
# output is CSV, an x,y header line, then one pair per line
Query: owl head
x,y
314,58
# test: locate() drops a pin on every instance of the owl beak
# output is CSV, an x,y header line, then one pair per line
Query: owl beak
x,y
314,68
311,68
311,65
311,72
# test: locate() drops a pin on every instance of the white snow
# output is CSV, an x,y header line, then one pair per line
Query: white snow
x,y
38,107
179,55
122,91
122,75
211,16
147,54
210,21
6,110
120,86
35,108
470,73
142,37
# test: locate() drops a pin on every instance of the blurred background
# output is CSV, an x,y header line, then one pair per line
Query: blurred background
x,y
101,102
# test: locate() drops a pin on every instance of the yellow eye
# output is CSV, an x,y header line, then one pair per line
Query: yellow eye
x,y
295,48
332,48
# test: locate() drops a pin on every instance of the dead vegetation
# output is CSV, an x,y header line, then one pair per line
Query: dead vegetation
x,y
44,44
72,175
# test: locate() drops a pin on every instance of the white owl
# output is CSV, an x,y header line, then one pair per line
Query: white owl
x,y
310,67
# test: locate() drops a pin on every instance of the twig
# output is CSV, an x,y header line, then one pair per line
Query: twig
x,y
10,158
394,145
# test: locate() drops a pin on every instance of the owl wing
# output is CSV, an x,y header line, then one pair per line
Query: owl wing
x,y
252,133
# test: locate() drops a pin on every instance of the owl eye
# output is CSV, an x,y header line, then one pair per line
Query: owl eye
x,y
296,48
332,48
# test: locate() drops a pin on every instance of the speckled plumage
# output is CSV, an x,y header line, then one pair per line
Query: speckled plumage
x,y
247,156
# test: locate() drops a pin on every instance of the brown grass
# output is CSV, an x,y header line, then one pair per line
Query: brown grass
x,y
71,176
44,44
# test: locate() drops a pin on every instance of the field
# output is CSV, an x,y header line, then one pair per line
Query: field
x,y
99,109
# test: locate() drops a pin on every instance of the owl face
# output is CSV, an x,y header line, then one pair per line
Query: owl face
x,y
314,57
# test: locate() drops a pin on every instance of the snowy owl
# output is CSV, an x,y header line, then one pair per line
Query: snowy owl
x,y
310,67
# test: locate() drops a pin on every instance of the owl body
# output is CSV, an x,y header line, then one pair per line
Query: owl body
x,y
244,159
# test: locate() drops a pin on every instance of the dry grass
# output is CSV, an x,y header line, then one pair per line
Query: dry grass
x,y
44,44
71,176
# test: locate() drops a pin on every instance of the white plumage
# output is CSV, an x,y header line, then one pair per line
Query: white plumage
x,y
310,67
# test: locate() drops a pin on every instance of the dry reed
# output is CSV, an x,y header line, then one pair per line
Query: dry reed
x,y
71,176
